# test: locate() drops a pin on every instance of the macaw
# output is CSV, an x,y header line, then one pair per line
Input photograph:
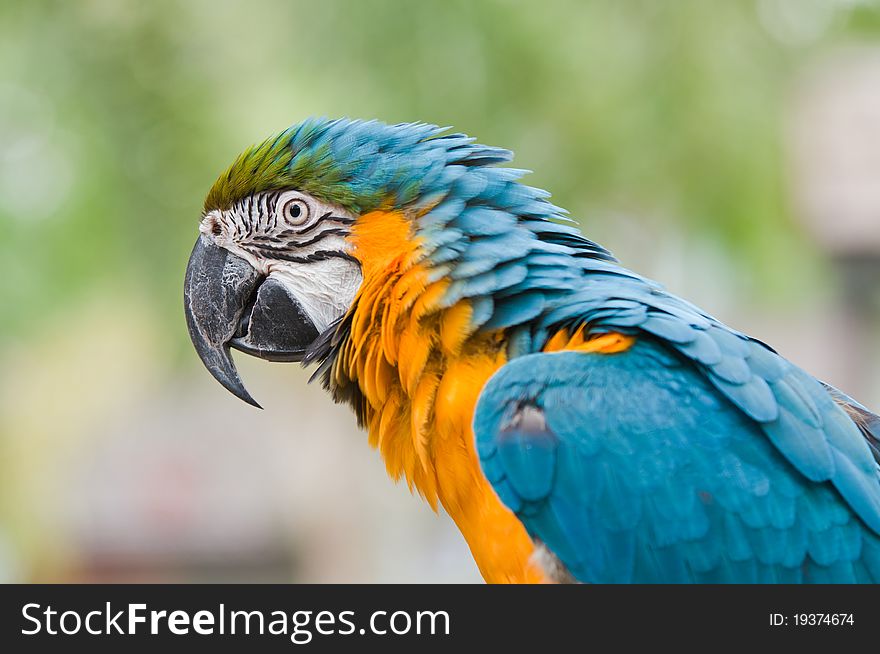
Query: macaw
x,y
578,422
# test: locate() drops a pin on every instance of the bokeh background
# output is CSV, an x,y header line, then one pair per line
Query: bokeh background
x,y
730,149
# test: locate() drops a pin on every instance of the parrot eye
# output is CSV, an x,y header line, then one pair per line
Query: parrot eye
x,y
295,211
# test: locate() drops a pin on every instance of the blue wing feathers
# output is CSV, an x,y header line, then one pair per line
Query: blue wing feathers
x,y
697,455
754,398
634,467
803,445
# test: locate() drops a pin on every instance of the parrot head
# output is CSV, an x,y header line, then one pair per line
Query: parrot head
x,y
272,267
275,267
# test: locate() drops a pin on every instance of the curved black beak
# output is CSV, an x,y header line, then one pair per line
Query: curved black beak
x,y
216,291
229,304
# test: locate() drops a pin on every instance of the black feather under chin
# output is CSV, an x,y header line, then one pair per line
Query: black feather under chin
x,y
325,351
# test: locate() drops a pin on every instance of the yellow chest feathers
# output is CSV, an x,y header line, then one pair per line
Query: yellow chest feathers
x,y
420,368
420,371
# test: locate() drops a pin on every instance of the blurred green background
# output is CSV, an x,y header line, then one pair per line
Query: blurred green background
x,y
731,149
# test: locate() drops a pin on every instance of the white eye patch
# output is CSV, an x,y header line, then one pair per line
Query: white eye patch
x,y
325,289
298,240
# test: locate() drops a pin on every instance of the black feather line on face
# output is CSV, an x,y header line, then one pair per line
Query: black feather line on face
x,y
293,245
327,217
320,255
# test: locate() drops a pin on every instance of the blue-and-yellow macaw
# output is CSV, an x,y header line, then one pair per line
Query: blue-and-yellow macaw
x,y
576,421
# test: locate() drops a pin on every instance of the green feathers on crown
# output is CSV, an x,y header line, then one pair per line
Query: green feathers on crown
x,y
359,165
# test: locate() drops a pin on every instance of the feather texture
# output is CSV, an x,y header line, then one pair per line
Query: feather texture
x,y
632,467
633,434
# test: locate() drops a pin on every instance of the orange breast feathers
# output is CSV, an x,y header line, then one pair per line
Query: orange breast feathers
x,y
420,369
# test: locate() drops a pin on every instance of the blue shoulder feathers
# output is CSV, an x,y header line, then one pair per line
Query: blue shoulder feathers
x,y
636,467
